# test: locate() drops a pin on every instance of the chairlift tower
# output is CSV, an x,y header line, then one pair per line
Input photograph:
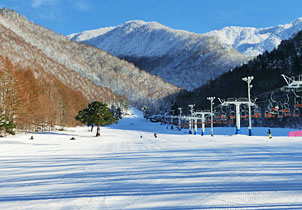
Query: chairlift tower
x,y
237,103
203,119
172,117
211,99
179,118
249,87
292,84
191,120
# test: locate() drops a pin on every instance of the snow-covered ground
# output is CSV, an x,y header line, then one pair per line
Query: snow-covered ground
x,y
121,170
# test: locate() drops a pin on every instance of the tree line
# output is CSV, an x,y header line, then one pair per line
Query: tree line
x,y
266,69
35,101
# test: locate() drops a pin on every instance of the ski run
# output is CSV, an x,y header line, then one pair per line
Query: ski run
x,y
128,168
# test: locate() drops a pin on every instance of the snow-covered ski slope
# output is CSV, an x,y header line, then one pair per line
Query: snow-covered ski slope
x,y
175,171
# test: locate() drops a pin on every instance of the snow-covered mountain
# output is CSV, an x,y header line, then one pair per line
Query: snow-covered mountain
x,y
254,41
94,72
185,59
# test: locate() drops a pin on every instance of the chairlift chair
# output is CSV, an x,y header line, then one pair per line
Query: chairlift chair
x,y
232,115
268,113
244,114
216,115
286,109
274,105
274,109
298,102
296,112
280,114
256,112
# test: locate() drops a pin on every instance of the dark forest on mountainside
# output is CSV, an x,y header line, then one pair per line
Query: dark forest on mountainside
x,y
266,70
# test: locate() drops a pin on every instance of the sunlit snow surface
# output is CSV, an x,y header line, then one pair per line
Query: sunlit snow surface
x,y
176,171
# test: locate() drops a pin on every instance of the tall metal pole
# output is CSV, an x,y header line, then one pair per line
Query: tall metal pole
x,y
237,117
211,99
249,86
179,119
191,120
202,124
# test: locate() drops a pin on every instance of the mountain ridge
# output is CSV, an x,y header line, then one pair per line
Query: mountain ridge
x,y
249,41
93,71
252,41
185,59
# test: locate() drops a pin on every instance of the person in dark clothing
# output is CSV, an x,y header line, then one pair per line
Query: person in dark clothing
x,y
269,133
155,135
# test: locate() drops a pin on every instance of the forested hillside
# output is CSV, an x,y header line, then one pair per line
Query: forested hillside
x,y
95,73
35,102
266,69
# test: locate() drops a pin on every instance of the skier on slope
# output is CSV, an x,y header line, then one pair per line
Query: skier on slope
x,y
155,135
269,133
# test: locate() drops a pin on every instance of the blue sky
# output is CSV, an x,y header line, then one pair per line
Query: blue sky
x,y
200,16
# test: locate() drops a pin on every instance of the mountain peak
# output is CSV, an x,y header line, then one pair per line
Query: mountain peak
x,y
10,13
297,21
138,24
179,57
254,41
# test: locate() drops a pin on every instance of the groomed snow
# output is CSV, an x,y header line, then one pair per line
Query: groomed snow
x,y
175,171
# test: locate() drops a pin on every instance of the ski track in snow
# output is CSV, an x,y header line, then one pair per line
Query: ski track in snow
x,y
175,171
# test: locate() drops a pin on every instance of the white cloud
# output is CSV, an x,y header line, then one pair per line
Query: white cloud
x,y
48,15
38,3
83,6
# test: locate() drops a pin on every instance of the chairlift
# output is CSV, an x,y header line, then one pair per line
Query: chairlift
x,y
296,112
256,113
274,105
286,109
208,120
298,101
222,114
287,114
216,115
268,113
274,109
280,114
232,113
244,114
292,84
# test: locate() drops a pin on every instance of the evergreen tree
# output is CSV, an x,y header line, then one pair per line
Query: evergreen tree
x,y
116,112
144,110
174,109
97,113
6,125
